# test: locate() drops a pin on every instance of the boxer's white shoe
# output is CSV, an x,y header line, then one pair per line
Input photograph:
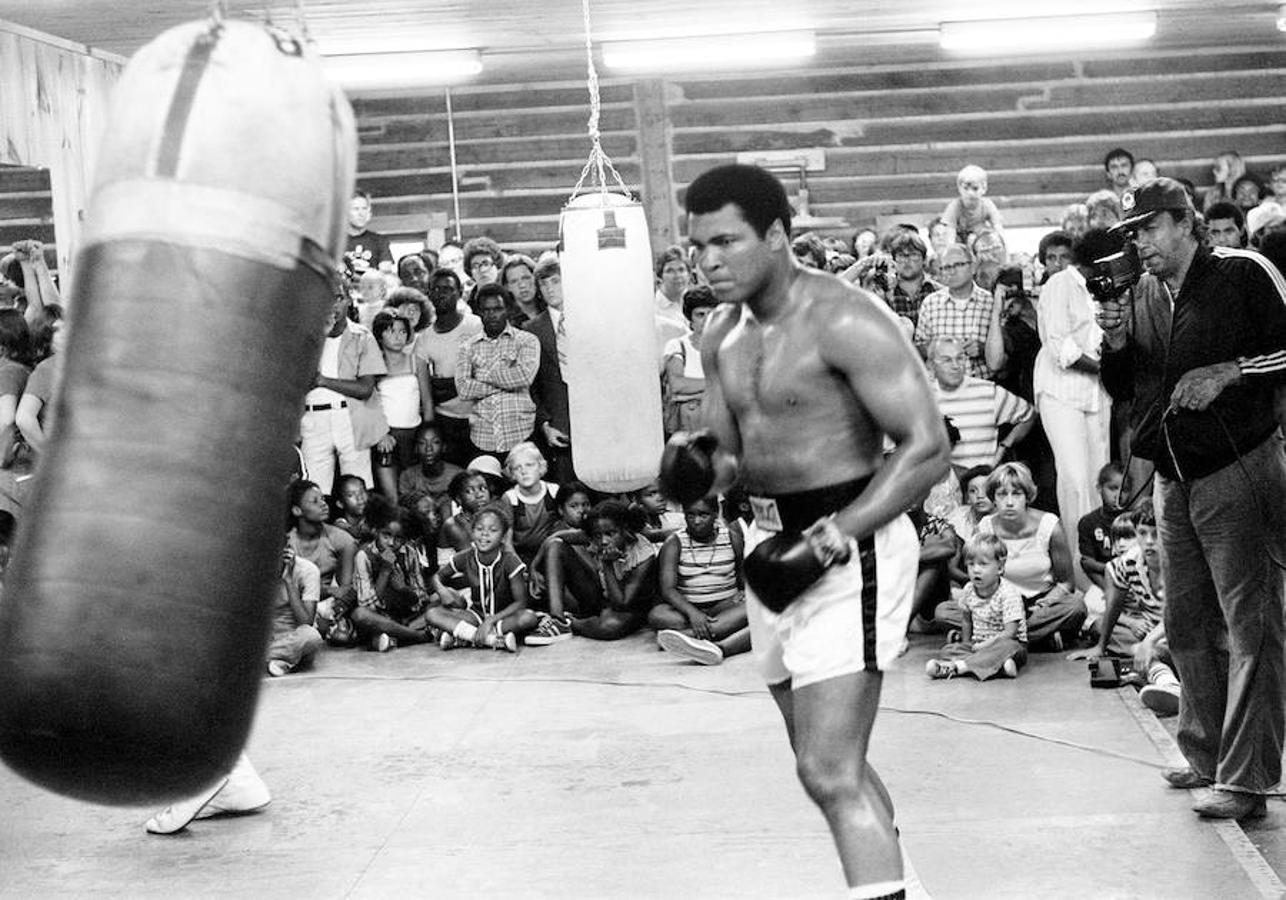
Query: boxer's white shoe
x,y
240,791
176,817
244,792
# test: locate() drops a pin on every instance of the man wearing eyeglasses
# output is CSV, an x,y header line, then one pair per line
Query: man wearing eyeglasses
x,y
909,253
482,261
964,311
976,407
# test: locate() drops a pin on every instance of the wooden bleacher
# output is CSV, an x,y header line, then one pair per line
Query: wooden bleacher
x,y
894,136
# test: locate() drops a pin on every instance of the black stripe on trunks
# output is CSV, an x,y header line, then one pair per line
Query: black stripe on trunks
x,y
870,598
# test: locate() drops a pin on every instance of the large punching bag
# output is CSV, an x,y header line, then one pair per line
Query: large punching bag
x,y
136,612
613,388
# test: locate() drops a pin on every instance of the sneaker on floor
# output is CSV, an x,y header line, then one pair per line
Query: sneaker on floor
x,y
509,642
244,793
1162,699
276,668
1009,668
176,817
939,668
707,653
549,630
446,641
383,643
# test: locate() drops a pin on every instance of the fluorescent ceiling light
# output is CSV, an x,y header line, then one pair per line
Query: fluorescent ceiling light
x,y
710,51
376,71
1016,36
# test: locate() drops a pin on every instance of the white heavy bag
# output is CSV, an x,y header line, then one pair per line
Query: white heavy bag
x,y
613,390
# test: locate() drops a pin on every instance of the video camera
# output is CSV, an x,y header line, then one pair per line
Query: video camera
x,y
1116,274
1110,672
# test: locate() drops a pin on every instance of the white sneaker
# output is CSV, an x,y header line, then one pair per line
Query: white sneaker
x,y
176,817
1162,699
278,667
1009,668
707,653
245,792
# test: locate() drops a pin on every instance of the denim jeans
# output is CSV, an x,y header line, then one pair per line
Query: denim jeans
x,y
1224,614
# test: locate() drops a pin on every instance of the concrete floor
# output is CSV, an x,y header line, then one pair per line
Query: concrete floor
x,y
613,770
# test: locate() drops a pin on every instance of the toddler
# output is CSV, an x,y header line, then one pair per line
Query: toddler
x,y
993,636
972,212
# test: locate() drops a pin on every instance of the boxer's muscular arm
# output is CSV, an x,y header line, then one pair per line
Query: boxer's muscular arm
x,y
882,369
715,413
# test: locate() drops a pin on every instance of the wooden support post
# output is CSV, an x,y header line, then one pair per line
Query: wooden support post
x,y
659,202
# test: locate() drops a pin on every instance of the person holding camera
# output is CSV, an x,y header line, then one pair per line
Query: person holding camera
x,y
1075,411
1201,349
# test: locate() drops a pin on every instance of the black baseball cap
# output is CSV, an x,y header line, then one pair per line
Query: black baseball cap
x,y
1143,202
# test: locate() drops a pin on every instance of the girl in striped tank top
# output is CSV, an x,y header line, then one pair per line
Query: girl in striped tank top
x,y
702,616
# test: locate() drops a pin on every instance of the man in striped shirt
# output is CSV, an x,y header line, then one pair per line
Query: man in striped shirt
x,y
976,407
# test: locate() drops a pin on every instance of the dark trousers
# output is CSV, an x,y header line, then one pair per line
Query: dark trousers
x,y
1223,614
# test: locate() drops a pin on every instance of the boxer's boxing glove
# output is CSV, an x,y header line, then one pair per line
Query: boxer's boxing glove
x,y
687,466
781,568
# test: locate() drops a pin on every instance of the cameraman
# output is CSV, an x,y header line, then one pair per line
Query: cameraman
x,y
1201,350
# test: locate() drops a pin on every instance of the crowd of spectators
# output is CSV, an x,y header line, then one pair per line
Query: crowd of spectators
x,y
437,502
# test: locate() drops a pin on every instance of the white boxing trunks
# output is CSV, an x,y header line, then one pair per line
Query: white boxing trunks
x,y
852,619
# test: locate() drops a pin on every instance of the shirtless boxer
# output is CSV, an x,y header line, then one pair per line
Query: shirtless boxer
x,y
805,375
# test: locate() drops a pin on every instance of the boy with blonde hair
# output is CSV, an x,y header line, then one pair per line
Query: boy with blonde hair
x,y
972,212
993,635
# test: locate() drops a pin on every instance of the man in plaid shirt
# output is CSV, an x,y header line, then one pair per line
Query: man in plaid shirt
x,y
964,311
495,369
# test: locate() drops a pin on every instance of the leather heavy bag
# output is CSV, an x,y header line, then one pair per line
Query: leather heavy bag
x,y
136,612
613,386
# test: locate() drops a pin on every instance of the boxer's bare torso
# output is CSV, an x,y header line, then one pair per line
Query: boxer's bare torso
x,y
786,382
806,374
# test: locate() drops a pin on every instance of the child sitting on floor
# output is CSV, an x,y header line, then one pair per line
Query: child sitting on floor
x,y
1094,539
532,501
483,590
610,585
295,640
1135,595
660,520
993,636
391,594
351,498
471,491
702,613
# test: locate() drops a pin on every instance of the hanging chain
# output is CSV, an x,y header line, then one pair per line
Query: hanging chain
x,y
303,23
598,162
